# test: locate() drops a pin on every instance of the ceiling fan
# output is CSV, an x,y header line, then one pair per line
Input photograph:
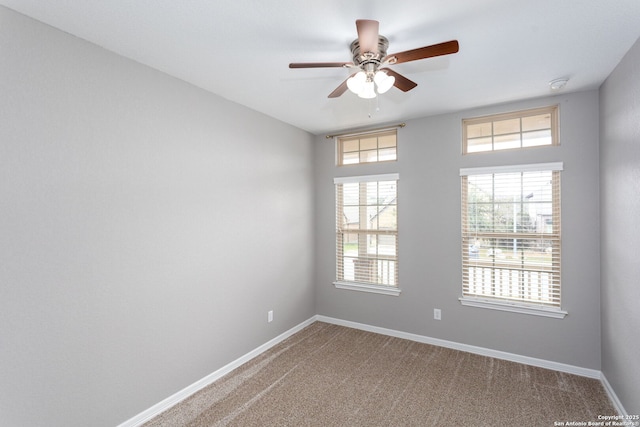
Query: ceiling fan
x,y
370,61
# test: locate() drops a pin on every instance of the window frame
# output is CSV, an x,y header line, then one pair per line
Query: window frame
x,y
553,110
523,305
363,233
342,140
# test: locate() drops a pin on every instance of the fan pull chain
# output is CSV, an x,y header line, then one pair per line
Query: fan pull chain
x,y
377,109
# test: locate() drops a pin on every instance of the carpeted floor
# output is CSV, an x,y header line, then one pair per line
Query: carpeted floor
x,y
328,375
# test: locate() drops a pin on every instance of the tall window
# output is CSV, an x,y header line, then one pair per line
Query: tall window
x,y
511,238
520,129
368,148
367,233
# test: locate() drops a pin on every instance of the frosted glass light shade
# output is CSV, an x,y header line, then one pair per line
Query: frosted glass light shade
x,y
368,91
356,83
383,81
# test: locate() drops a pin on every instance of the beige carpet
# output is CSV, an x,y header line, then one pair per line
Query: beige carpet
x,y
328,375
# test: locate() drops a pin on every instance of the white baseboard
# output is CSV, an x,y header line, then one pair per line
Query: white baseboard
x,y
532,361
167,403
612,396
170,401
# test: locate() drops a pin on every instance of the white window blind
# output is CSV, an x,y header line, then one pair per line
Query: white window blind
x,y
511,234
367,230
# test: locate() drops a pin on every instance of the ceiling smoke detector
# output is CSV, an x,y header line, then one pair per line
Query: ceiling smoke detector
x,y
558,84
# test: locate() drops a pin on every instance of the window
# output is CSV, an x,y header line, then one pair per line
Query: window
x,y
511,238
521,129
367,148
367,233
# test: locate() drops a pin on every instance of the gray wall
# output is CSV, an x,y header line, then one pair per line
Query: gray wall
x,y
429,226
146,228
620,228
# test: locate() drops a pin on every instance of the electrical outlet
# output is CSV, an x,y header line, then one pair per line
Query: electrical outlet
x,y
270,316
437,314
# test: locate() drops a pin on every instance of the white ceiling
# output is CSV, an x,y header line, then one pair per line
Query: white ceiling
x,y
240,49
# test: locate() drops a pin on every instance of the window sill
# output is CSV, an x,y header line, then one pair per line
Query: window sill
x,y
514,308
367,287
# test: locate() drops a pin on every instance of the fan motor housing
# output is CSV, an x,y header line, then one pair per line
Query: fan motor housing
x,y
362,58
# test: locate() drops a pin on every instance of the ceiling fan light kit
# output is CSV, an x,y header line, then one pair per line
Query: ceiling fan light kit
x,y
362,84
370,59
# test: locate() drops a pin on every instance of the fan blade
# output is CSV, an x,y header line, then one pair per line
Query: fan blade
x,y
319,64
341,89
439,49
402,83
368,35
